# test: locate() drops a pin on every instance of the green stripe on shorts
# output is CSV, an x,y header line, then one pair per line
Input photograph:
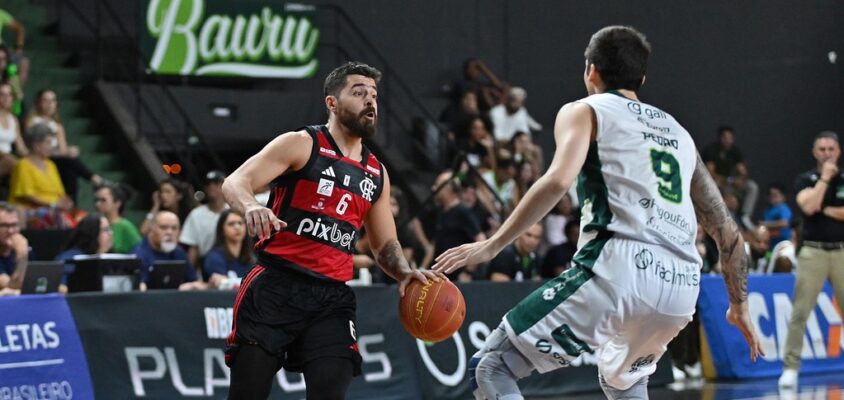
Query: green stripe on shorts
x,y
546,298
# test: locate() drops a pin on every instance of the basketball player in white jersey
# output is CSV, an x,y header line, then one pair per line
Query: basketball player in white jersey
x,y
636,277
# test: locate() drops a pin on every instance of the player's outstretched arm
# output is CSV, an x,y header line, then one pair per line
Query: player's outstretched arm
x,y
713,216
289,151
381,228
573,131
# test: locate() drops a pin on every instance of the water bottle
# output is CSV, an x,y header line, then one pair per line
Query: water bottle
x,y
17,92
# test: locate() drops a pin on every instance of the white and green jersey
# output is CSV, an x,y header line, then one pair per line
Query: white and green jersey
x,y
636,180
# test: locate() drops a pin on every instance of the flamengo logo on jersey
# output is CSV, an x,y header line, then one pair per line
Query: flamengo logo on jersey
x,y
367,188
329,172
329,233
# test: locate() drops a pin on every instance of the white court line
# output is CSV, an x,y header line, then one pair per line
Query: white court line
x,y
27,364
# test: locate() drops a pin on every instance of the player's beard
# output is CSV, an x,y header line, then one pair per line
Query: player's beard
x,y
359,125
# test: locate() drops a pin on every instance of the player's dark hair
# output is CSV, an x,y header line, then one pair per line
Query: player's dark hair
x,y
86,235
620,54
336,80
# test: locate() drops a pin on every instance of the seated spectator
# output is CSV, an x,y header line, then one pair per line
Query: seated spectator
x,y
230,258
480,148
198,233
517,262
14,249
523,149
556,221
162,244
479,79
36,185
456,224
526,175
482,207
726,164
9,76
7,21
731,201
172,195
502,181
458,115
758,243
511,116
66,158
109,200
91,236
412,237
10,133
558,258
777,216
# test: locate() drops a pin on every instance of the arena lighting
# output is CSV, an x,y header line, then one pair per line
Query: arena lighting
x,y
224,111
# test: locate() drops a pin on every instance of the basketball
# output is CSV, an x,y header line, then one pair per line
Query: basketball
x,y
432,312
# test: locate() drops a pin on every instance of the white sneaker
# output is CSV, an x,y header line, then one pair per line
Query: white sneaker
x,y
788,379
693,371
679,375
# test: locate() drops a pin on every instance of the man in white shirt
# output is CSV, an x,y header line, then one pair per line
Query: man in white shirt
x,y
201,224
511,116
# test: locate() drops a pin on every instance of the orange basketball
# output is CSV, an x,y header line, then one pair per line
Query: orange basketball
x,y
432,312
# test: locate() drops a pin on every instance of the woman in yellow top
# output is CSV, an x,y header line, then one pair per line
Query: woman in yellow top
x,y
35,182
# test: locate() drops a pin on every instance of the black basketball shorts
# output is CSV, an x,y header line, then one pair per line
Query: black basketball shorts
x,y
296,317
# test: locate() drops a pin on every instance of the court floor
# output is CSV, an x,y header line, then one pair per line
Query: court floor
x,y
817,387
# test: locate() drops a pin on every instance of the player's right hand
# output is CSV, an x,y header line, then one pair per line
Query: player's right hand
x,y
828,170
467,254
260,221
739,315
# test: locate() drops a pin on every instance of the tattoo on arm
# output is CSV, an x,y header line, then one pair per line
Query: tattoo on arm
x,y
713,216
391,260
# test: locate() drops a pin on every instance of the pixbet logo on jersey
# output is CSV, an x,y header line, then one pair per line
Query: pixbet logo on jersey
x,y
329,233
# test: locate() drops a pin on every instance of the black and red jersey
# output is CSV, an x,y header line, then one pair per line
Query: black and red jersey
x,y
324,205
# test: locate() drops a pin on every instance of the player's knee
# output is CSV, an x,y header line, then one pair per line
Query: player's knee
x,y
616,389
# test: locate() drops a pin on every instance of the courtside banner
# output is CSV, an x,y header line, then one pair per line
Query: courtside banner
x,y
770,299
41,355
170,345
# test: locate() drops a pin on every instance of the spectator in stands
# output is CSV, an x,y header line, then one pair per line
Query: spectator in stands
x,y
456,224
511,116
458,115
198,232
7,21
14,249
10,133
109,200
502,181
732,203
758,242
172,195
526,175
162,244
522,148
412,237
481,206
36,185
558,258
777,217
66,158
478,78
784,254
517,262
91,236
480,149
726,164
556,221
9,75
230,258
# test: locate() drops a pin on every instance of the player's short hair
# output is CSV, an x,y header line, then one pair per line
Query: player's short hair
x,y
620,54
336,80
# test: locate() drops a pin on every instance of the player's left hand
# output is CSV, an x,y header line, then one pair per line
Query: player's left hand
x,y
421,275
739,315
467,254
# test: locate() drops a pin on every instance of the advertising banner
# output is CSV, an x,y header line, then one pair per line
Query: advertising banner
x,y
41,356
226,38
170,345
770,299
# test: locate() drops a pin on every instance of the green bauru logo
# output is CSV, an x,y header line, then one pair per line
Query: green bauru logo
x,y
222,38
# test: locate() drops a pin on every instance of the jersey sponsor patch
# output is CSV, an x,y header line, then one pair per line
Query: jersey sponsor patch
x,y
326,187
